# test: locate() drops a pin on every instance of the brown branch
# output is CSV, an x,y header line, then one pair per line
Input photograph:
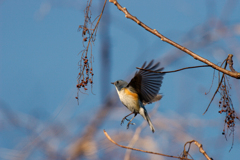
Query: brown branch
x,y
199,146
165,39
109,138
174,70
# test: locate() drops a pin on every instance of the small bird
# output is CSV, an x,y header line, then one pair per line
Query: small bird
x,y
141,90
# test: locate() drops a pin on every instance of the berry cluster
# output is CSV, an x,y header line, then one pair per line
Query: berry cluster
x,y
226,106
85,75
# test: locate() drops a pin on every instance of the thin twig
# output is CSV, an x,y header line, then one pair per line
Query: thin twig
x,y
219,84
109,138
165,39
212,83
174,70
95,28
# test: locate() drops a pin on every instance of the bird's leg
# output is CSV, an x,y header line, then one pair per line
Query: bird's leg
x,y
131,121
125,118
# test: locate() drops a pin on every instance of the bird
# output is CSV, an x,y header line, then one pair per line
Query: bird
x,y
141,90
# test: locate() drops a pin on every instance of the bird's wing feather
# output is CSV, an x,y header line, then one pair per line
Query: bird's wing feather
x,y
147,84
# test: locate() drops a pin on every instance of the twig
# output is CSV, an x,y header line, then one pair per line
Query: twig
x,y
96,26
219,84
212,83
174,70
109,138
199,146
165,39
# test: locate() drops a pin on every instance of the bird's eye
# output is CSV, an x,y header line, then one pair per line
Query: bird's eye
x,y
117,82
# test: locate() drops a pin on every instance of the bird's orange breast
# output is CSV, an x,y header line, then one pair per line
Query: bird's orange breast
x,y
129,93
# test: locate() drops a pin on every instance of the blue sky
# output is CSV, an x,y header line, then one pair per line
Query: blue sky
x,y
39,46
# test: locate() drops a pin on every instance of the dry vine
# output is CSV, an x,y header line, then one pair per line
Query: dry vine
x,y
89,32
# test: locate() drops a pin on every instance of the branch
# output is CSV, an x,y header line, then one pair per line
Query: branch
x,y
109,138
174,70
199,146
165,39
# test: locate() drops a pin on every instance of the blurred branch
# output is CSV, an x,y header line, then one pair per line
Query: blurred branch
x,y
136,135
109,138
78,147
105,48
163,38
134,140
198,145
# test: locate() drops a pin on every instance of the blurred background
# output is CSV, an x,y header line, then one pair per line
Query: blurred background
x,y
39,54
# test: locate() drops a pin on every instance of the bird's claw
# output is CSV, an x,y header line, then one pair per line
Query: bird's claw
x,y
129,124
123,120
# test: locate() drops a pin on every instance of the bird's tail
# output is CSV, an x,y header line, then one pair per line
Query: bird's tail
x,y
144,114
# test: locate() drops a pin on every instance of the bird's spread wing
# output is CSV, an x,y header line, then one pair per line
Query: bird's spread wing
x,y
147,84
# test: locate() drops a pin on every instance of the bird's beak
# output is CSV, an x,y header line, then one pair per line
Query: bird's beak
x,y
112,82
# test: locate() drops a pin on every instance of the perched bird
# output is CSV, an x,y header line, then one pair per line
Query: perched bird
x,y
141,90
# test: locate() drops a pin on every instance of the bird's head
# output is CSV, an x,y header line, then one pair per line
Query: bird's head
x,y
119,84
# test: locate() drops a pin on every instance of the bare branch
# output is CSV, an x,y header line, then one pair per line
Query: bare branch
x,y
109,138
165,39
199,146
174,70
